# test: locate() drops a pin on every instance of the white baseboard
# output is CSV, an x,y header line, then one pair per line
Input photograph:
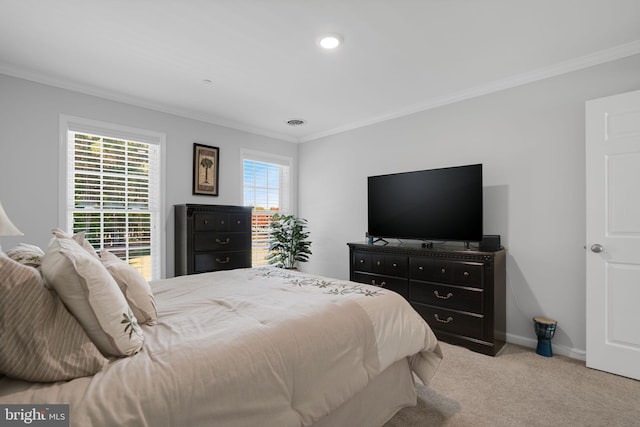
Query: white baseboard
x,y
574,353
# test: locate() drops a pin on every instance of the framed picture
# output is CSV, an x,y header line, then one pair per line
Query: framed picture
x,y
206,162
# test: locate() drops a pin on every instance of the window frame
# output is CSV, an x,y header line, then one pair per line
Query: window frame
x,y
79,124
259,156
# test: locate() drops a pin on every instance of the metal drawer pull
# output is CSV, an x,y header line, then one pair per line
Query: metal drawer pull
x,y
361,261
449,295
466,274
221,242
378,263
205,221
421,268
222,221
382,284
443,271
219,261
449,319
394,264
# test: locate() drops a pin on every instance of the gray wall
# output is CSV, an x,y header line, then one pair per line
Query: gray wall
x,y
29,139
530,140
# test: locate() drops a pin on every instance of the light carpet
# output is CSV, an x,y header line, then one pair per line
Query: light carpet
x,y
520,388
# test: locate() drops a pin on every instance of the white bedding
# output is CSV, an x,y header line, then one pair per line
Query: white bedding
x,y
249,347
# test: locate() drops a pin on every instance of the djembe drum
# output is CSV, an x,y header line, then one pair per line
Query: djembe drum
x,y
545,329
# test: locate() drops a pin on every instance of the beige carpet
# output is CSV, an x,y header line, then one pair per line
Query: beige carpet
x,y
521,388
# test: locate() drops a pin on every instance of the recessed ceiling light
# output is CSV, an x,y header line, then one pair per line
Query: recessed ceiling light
x,y
330,41
295,122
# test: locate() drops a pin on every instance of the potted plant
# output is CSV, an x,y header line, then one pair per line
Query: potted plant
x,y
288,242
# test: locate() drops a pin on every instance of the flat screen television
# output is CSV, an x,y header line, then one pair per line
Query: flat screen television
x,y
435,205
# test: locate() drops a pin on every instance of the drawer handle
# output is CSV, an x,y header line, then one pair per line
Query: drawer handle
x,y
378,263
222,221
443,271
221,242
361,261
205,221
394,264
449,319
421,268
382,284
239,222
465,274
219,261
449,295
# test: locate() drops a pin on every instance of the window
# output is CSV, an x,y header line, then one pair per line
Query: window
x,y
267,188
113,187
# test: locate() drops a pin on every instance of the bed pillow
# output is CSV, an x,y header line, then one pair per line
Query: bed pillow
x,y
26,254
133,285
92,296
79,238
41,341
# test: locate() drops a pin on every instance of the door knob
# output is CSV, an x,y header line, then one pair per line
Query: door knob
x,y
597,248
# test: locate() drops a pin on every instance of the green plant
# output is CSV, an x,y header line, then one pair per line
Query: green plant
x,y
288,242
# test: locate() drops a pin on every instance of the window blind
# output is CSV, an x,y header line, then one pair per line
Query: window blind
x,y
113,195
267,188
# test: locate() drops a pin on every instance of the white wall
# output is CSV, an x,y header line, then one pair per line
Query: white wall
x,y
530,140
29,138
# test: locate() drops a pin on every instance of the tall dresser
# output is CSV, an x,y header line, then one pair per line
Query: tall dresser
x,y
211,238
460,293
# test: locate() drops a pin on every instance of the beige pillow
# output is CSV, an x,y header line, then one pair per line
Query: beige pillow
x,y
79,238
134,287
92,296
26,254
40,340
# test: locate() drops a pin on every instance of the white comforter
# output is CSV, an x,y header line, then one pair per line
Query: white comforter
x,y
250,347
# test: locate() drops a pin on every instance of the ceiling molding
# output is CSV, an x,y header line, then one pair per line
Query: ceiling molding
x,y
600,57
564,67
139,102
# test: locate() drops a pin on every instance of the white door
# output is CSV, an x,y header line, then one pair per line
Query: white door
x,y
613,234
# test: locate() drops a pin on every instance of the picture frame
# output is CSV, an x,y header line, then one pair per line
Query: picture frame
x,y
206,170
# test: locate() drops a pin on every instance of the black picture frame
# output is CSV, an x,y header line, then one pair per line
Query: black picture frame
x,y
206,169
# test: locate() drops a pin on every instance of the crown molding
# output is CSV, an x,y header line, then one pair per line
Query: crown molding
x,y
139,102
564,67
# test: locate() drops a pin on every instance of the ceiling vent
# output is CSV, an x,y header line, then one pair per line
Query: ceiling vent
x,y
295,122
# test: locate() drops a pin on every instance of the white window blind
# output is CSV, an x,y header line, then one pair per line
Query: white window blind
x,y
267,188
113,195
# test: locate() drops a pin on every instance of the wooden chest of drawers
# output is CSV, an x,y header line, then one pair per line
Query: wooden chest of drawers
x,y
211,237
460,293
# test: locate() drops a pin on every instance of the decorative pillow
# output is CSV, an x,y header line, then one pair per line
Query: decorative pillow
x,y
92,296
41,341
134,287
79,238
26,254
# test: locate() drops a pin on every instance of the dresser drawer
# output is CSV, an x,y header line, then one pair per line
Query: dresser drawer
x,y
444,271
455,322
362,262
239,222
390,265
395,284
451,297
210,221
212,261
468,274
214,241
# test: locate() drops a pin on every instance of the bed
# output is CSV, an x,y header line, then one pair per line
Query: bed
x,y
256,347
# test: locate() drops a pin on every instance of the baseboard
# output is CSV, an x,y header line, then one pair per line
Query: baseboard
x,y
573,353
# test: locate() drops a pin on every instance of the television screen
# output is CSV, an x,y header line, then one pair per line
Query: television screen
x,y
437,204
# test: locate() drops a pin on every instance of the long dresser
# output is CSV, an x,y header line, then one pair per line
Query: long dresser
x,y
211,238
459,292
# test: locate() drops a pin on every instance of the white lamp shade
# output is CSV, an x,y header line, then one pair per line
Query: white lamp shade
x,y
6,226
